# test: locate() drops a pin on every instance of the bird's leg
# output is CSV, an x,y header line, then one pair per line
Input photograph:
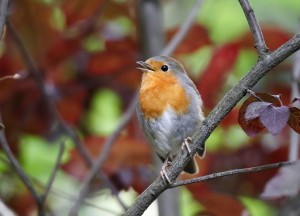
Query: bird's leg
x,y
163,172
186,144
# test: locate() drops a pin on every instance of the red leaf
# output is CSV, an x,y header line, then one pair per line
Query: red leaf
x,y
35,32
294,120
254,126
71,107
275,118
255,109
221,204
273,36
196,37
109,62
126,163
62,49
79,10
212,79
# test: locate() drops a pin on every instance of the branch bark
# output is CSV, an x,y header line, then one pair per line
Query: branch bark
x,y
259,41
262,67
233,172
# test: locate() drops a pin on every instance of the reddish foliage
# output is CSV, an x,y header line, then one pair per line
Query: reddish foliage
x,y
254,126
294,120
79,10
196,38
62,49
126,164
108,62
22,204
71,107
212,78
273,36
231,118
262,110
221,204
37,32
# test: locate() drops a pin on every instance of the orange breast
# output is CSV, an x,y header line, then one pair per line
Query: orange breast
x,y
160,90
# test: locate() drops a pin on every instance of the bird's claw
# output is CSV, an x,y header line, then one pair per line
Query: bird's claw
x,y
186,144
163,172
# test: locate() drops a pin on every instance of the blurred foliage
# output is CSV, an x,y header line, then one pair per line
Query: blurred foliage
x,y
86,52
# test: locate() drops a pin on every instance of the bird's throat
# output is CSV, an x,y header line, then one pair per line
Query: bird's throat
x,y
160,91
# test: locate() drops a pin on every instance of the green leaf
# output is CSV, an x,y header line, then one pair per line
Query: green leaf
x,y
104,114
188,205
257,207
38,157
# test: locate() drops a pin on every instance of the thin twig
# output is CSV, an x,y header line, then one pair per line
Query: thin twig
x,y
18,169
259,41
54,171
36,75
102,157
184,28
228,102
60,193
171,46
3,15
233,172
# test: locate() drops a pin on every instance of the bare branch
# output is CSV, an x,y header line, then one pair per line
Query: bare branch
x,y
259,41
18,169
259,70
233,172
102,157
54,172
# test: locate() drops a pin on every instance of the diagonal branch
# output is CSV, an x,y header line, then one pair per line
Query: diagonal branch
x,y
18,169
54,172
262,67
233,172
259,41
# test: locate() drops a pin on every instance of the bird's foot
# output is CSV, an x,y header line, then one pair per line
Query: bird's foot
x,y
186,144
163,172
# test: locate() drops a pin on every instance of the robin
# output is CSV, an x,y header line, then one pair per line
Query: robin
x,y
169,109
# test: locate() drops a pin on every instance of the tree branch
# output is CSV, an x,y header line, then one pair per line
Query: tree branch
x,y
20,172
259,41
259,70
233,172
54,172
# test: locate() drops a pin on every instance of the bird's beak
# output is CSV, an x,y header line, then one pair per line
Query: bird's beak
x,y
145,66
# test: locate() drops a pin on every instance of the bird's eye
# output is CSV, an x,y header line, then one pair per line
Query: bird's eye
x,y
164,68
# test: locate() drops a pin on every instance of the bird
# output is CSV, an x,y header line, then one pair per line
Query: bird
x,y
169,110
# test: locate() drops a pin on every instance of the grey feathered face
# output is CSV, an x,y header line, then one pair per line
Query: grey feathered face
x,y
161,64
172,64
